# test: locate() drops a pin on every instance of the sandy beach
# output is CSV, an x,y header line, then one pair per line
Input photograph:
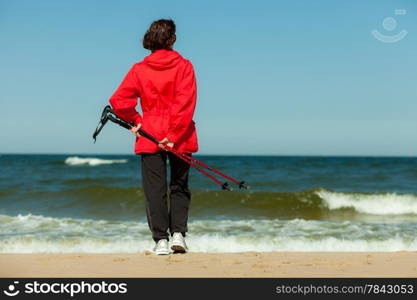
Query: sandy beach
x,y
246,264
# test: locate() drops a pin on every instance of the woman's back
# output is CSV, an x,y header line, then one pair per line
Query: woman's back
x,y
165,83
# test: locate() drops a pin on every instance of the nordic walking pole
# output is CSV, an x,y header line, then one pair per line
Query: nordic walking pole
x,y
108,114
240,183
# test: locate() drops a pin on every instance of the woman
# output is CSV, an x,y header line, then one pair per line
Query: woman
x,y
165,83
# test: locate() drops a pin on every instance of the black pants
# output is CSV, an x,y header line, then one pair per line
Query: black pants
x,y
154,176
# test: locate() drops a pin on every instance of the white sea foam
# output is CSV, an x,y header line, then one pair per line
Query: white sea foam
x,y
92,161
208,243
203,243
38,234
374,204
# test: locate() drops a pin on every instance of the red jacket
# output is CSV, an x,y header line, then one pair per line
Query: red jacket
x,y
165,83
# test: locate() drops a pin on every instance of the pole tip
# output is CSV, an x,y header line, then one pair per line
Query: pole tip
x,y
242,185
226,187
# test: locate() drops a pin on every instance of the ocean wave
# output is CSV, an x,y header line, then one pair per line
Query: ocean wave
x,y
108,201
373,204
204,244
92,161
39,234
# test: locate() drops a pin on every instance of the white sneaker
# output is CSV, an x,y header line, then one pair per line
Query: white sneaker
x,y
178,243
161,248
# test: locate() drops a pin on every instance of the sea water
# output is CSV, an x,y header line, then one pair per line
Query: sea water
x,y
95,203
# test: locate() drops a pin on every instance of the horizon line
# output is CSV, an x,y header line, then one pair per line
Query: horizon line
x,y
219,154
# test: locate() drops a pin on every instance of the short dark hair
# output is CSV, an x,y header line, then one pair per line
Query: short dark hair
x,y
160,35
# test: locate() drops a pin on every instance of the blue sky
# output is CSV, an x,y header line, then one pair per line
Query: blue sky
x,y
274,77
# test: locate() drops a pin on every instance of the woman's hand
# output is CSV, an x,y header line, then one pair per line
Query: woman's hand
x,y
135,129
166,143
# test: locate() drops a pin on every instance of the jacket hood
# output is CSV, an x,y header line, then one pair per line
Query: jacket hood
x,y
163,59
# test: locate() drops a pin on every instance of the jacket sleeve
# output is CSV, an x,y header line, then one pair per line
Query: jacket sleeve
x,y
182,110
125,99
